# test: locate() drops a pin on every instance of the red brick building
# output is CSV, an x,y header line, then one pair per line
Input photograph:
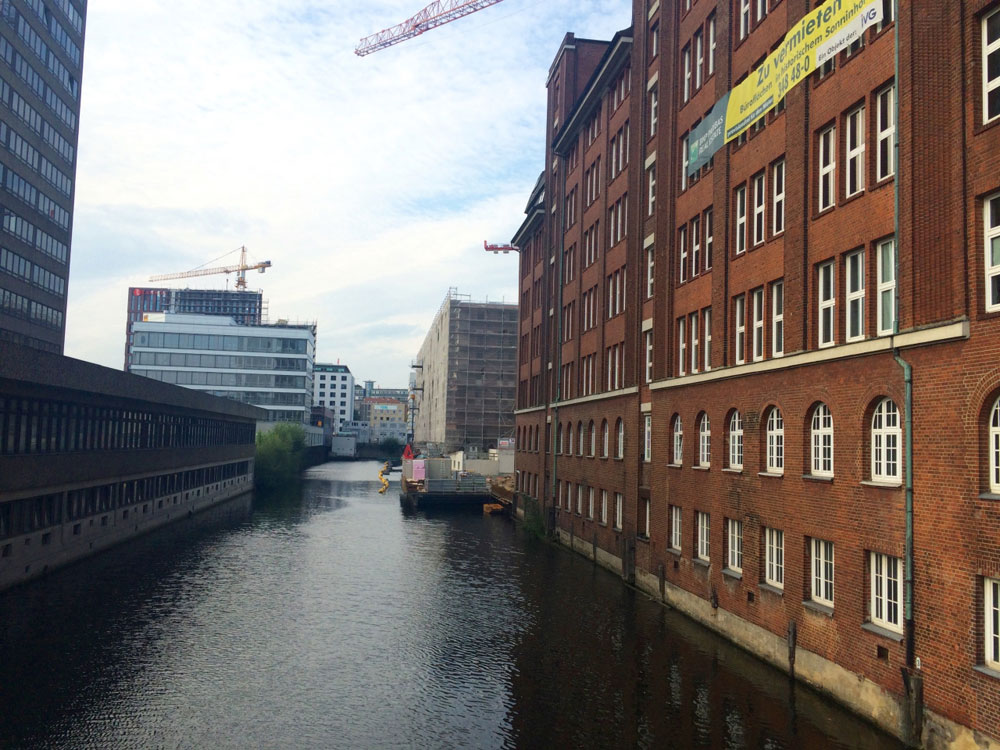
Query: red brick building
x,y
731,382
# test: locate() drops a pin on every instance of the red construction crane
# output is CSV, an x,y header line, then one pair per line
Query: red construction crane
x,y
436,14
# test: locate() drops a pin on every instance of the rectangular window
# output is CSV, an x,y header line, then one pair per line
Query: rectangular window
x,y
759,201
991,232
647,439
651,185
778,197
708,222
855,272
590,503
649,356
991,66
991,629
855,152
604,506
827,301
741,219
886,166
654,102
650,262
682,252
704,525
695,246
693,325
827,168
777,319
774,557
699,59
734,548
711,44
822,572
757,332
654,40
886,586
886,287
687,72
675,528
681,347
741,330
744,20
619,509
579,489
684,163
707,336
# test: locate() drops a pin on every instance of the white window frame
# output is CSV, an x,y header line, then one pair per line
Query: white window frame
x,y
693,325
827,187
711,44
775,442
620,438
774,557
676,529
686,56
777,319
991,233
822,566
604,506
886,133
704,441
887,440
650,268
826,294
886,591
854,175
759,205
778,197
734,548
741,219
990,85
682,252
991,622
741,328
651,187
590,503
649,356
708,222
579,499
699,59
704,526
619,509
581,447
757,319
744,20
695,246
821,441
706,315
647,438
681,347
736,441
886,253
684,163
994,447
654,109
854,281
678,434
592,428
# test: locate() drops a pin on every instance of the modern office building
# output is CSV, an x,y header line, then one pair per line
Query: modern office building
x,y
761,380
466,376
269,366
41,58
245,307
333,389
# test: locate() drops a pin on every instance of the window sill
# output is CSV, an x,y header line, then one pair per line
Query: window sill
x,y
702,563
817,478
675,466
737,574
603,523
701,468
772,474
882,485
988,671
642,538
771,589
732,471
822,609
674,551
883,632
989,496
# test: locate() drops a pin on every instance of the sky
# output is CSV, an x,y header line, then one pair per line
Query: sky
x,y
370,183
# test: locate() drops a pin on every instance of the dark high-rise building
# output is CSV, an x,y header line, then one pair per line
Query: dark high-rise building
x,y
246,308
41,59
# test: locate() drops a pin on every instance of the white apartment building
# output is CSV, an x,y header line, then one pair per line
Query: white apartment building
x,y
333,389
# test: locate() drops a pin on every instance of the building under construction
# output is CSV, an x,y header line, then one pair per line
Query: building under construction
x,y
466,374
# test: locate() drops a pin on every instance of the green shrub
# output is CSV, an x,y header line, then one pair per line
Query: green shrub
x,y
280,455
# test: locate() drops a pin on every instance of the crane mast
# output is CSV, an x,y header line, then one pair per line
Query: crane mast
x,y
436,14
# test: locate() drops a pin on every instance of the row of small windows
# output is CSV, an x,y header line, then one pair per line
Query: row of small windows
x,y
31,235
585,495
56,29
218,361
17,185
234,379
155,340
20,267
30,116
35,513
35,82
40,48
265,398
45,426
886,441
21,307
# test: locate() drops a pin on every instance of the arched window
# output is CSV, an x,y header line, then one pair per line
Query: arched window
x,y
569,439
678,440
593,440
735,441
822,441
995,448
604,439
775,442
579,439
704,441
559,438
886,435
620,439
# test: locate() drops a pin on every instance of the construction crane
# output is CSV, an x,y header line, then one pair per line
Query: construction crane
x,y
240,270
436,14
495,249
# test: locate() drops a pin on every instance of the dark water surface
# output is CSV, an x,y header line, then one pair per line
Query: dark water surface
x,y
327,618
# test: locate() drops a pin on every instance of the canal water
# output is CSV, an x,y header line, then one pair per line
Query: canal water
x,y
326,617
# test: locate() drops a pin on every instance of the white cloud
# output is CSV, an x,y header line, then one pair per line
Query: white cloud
x,y
370,183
